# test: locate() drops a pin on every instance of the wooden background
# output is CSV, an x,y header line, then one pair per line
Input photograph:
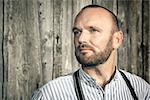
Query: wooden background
x,y
36,42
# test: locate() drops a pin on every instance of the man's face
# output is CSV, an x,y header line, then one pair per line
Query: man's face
x,y
93,36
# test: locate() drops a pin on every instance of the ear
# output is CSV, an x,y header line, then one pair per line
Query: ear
x,y
117,39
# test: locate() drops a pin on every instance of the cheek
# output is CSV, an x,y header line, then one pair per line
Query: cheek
x,y
76,43
99,43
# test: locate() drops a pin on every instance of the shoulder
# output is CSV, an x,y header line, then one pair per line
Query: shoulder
x,y
37,95
134,79
62,79
140,85
55,87
59,82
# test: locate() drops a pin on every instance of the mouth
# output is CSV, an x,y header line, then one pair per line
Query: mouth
x,y
85,50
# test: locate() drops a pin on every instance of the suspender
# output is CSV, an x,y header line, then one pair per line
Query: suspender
x,y
79,92
129,85
77,85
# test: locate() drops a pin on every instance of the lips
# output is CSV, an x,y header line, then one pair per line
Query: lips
x,y
85,50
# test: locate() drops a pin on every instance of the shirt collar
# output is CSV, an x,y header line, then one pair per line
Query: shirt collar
x,y
89,80
85,77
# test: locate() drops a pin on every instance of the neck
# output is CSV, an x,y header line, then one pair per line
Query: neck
x,y
102,73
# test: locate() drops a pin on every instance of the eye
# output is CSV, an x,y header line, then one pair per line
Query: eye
x,y
76,31
92,29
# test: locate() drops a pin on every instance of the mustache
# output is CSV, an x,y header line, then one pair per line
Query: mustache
x,y
84,46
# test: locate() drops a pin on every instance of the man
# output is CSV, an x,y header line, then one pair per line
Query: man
x,y
96,39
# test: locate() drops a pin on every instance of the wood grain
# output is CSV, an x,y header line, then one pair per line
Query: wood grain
x,y
130,55
36,41
1,42
46,28
22,48
146,41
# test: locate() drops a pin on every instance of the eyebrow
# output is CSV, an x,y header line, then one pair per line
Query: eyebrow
x,y
100,29
75,28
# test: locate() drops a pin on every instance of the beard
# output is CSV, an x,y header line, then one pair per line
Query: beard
x,y
97,58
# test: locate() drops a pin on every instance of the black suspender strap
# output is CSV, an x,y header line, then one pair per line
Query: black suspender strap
x,y
129,86
79,91
77,85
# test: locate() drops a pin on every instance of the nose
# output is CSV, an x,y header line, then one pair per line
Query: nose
x,y
84,37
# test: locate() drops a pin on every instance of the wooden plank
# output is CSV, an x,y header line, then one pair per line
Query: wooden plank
x,y
149,47
110,4
135,35
32,53
148,74
146,40
5,49
1,38
123,51
47,37
66,35
8,40
78,5
22,48
57,28
132,35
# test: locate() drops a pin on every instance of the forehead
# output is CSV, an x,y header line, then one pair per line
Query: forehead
x,y
97,15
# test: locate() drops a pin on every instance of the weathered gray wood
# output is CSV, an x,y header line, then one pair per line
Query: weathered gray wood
x,y
32,71
135,33
148,74
47,37
146,40
5,47
105,3
123,61
57,28
132,35
66,35
78,5
22,48
9,37
1,58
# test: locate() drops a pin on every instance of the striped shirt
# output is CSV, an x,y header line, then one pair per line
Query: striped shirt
x,y
62,88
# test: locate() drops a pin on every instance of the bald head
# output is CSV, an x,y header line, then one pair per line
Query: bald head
x,y
102,10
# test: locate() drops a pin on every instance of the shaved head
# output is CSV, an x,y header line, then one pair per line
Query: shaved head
x,y
113,16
